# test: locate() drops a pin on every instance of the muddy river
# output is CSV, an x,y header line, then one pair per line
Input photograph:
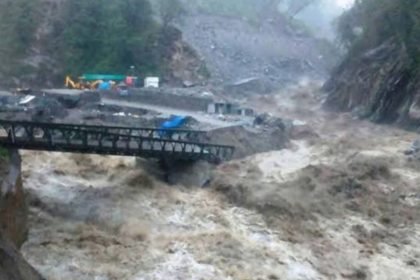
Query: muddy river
x,y
341,202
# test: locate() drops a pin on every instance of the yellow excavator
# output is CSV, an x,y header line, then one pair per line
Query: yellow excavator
x,y
69,83
93,81
81,84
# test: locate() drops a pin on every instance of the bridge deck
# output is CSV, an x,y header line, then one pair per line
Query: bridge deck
x,y
107,140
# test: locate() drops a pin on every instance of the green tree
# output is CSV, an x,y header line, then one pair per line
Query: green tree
x,y
18,23
106,36
379,21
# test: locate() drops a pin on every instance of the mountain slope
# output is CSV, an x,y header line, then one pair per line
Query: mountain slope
x,y
379,77
45,40
244,39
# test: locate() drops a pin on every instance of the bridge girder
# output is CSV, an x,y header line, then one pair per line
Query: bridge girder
x,y
111,140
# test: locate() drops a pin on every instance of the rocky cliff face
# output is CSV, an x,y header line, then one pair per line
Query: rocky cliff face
x,y
378,84
12,264
181,65
13,221
13,208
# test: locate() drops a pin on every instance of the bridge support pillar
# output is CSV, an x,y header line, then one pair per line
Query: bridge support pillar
x,y
187,173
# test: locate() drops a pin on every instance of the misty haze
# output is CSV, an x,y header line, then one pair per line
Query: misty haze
x,y
209,139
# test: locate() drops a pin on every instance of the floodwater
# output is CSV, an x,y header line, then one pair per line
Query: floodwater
x,y
113,222
339,204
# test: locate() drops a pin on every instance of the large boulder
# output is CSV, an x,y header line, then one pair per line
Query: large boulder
x,y
189,174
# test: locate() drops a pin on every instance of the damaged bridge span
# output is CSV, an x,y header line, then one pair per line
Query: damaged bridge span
x,y
112,140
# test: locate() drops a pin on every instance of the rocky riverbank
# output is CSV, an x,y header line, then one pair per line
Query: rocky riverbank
x,y
13,220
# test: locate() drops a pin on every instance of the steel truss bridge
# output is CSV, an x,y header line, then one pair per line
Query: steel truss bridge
x,y
112,140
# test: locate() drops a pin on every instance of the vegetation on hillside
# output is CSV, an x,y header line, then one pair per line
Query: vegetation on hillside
x,y
372,22
106,36
41,41
17,30
379,77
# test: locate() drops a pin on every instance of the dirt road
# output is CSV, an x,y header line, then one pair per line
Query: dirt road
x,y
202,117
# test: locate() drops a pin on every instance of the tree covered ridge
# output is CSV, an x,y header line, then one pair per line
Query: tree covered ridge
x,y
18,21
379,77
370,23
79,36
106,36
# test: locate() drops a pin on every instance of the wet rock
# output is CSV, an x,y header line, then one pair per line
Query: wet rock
x,y
357,274
31,108
189,174
360,231
349,188
46,109
412,262
414,148
68,101
269,121
377,85
13,265
261,119
13,207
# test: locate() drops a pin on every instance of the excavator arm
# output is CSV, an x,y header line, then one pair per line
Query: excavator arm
x,y
69,83
95,84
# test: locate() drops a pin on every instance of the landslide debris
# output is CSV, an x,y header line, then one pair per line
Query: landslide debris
x,y
267,133
248,40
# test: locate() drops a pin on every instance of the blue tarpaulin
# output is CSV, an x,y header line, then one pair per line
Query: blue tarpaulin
x,y
173,123
105,86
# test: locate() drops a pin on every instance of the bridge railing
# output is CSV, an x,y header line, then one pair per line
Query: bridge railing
x,y
174,134
107,140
